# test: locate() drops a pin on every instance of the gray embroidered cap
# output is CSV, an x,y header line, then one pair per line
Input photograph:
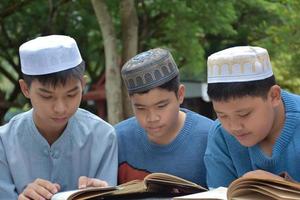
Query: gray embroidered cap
x,y
148,70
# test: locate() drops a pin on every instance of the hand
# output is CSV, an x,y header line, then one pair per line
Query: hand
x,y
40,189
262,174
84,182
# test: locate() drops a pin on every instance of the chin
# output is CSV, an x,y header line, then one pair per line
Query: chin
x,y
247,144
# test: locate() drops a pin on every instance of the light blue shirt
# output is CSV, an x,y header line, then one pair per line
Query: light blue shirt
x,y
87,147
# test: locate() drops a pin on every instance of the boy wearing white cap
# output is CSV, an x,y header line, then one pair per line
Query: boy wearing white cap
x,y
55,146
162,137
258,123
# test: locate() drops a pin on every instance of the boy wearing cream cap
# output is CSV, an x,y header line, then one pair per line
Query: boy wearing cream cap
x,y
55,146
258,123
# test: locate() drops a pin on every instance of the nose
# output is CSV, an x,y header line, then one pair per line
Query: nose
x,y
152,116
235,125
59,107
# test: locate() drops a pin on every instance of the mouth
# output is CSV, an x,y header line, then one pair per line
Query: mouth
x,y
59,119
154,129
242,136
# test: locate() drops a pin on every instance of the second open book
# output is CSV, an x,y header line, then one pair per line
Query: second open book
x,y
250,188
155,184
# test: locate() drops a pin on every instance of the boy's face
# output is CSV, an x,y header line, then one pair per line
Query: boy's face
x,y
157,111
251,120
53,106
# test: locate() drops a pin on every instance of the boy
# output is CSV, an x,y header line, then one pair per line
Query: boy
x,y
257,122
55,146
162,137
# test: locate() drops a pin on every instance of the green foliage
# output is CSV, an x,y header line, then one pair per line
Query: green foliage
x,y
181,26
191,29
284,45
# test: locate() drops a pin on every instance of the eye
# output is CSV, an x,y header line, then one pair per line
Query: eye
x,y
139,108
162,105
46,97
244,114
221,116
72,95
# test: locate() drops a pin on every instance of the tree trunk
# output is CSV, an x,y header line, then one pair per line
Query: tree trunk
x,y
130,44
112,70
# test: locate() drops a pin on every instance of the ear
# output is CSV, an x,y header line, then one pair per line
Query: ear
x,y
24,88
181,93
275,95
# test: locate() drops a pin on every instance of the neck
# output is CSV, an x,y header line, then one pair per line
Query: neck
x,y
51,134
167,139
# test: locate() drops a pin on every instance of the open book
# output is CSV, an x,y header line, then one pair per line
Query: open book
x,y
261,188
249,188
155,184
85,193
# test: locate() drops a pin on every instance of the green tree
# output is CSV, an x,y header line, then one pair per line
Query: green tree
x,y
190,29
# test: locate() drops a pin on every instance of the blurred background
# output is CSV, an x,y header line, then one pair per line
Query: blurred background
x,y
109,32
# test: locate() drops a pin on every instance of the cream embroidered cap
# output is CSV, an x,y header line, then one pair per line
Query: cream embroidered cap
x,y
239,64
49,54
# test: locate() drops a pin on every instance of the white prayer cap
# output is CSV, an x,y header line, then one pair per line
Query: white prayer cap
x,y
49,54
239,64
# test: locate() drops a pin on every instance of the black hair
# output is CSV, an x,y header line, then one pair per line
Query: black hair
x,y
56,78
227,91
172,85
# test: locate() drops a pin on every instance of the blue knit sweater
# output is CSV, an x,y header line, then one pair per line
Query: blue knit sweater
x,y
226,159
183,157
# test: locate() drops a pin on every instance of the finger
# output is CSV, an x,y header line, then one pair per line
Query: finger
x,y
93,182
22,197
82,182
51,187
31,192
57,186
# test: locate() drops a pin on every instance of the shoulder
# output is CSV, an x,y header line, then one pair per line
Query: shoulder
x,y
291,102
217,134
89,117
18,122
287,96
220,138
199,121
216,129
196,115
127,125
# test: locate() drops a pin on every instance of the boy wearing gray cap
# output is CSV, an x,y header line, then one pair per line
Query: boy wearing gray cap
x,y
55,146
162,137
257,131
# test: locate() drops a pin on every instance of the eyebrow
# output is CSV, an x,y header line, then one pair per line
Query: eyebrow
x,y
160,102
237,111
47,91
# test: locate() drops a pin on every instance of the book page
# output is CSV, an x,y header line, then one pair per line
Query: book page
x,y
171,180
214,194
262,188
86,191
63,195
168,177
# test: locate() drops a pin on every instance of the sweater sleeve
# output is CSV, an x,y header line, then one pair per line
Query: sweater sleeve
x,y
7,187
219,165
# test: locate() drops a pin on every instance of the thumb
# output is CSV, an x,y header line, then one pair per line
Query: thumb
x,y
82,182
93,182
